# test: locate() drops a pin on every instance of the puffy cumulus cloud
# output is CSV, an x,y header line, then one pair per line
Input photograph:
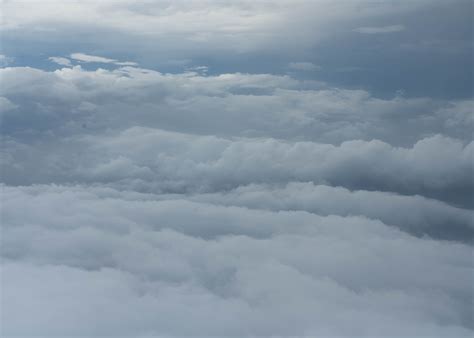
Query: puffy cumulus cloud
x,y
257,105
101,261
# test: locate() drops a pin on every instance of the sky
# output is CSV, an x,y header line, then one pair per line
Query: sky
x,y
236,168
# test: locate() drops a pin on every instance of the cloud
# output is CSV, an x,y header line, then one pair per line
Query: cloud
x,y
6,105
198,69
99,59
212,202
420,216
99,256
380,30
249,105
91,58
60,60
226,187
5,60
242,26
149,159
246,37
300,133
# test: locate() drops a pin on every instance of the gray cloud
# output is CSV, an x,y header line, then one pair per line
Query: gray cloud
x,y
287,108
413,214
225,187
165,258
156,160
6,105
262,37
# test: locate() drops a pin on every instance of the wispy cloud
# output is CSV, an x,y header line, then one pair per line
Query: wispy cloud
x,y
199,69
380,30
303,66
60,60
5,60
99,59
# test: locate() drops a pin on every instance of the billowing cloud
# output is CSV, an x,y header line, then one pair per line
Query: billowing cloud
x,y
229,185
157,160
257,105
420,216
96,256
131,228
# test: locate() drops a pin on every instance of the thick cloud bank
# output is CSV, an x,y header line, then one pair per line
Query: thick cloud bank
x,y
138,203
101,261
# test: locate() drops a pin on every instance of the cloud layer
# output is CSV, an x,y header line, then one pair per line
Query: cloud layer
x,y
257,105
248,197
132,265
224,182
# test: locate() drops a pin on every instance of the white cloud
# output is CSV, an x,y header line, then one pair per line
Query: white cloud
x,y
297,122
6,105
198,69
101,260
91,58
5,60
380,30
60,60
99,59
238,26
257,105
420,216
